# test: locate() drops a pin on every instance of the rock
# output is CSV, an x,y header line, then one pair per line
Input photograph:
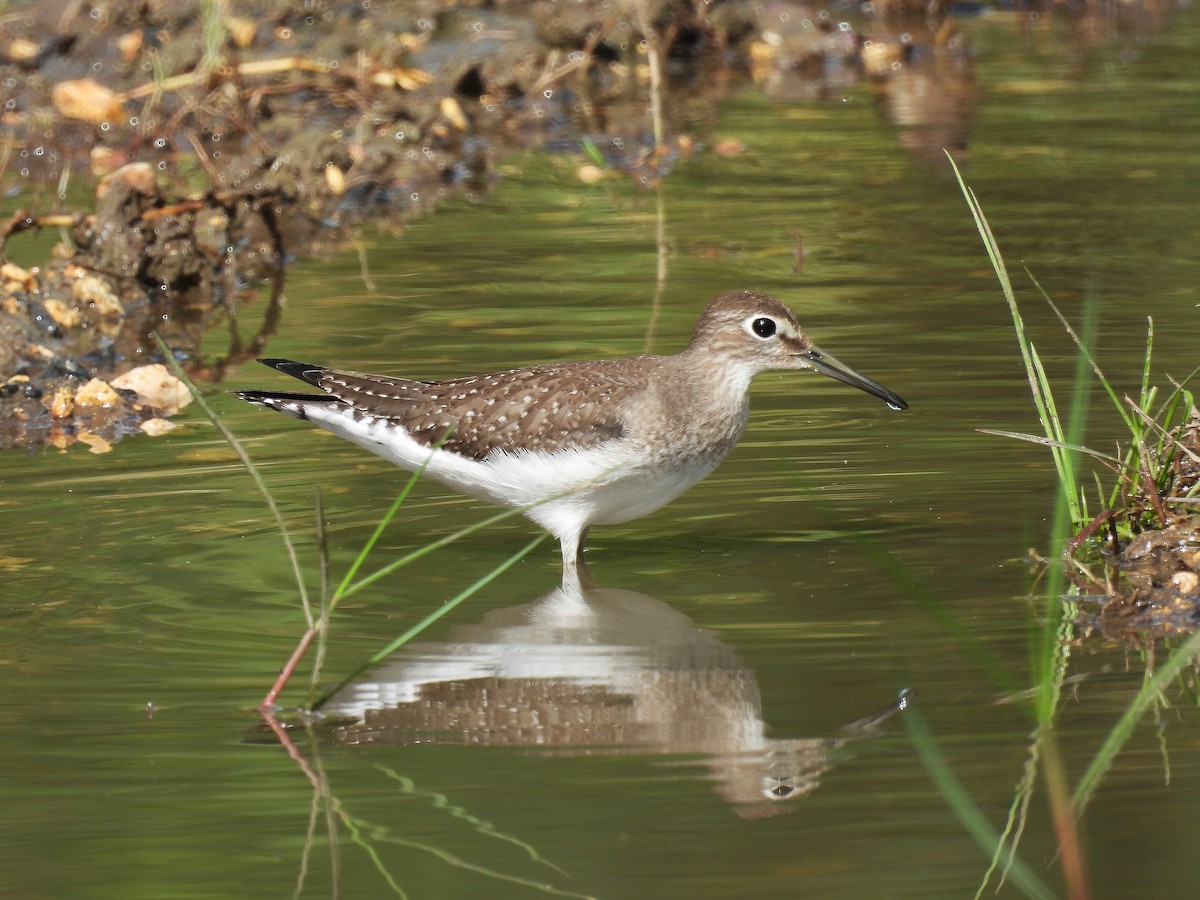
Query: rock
x,y
156,387
132,178
65,316
94,442
62,404
155,427
130,44
452,112
335,180
87,100
1185,582
22,50
15,275
241,31
97,394
589,174
104,310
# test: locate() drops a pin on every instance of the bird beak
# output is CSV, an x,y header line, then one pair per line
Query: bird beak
x,y
820,361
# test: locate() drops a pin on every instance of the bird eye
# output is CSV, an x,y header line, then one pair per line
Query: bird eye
x,y
763,327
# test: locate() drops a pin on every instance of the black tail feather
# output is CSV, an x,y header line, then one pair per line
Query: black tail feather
x,y
303,371
263,397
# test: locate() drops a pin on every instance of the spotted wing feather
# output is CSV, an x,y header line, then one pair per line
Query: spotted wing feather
x,y
547,407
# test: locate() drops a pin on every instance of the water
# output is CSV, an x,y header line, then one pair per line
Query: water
x,y
148,602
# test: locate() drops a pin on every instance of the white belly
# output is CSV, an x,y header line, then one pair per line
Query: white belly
x,y
566,491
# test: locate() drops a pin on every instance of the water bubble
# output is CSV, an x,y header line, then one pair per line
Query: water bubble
x,y
548,94
104,126
414,196
162,165
160,143
133,120
399,135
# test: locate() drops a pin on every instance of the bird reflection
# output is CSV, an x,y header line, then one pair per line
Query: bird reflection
x,y
589,670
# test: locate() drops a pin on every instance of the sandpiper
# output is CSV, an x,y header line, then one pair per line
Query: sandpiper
x,y
576,444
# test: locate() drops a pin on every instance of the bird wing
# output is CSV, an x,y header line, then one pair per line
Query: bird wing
x,y
546,407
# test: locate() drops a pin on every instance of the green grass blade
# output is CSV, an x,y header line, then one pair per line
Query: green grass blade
x,y
1047,442
1035,373
387,519
481,826
250,467
326,604
964,808
433,617
463,532
343,588
1085,349
1052,425
427,549
592,152
1144,400
1151,690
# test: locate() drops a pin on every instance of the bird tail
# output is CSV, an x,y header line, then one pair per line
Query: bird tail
x,y
287,402
303,371
290,403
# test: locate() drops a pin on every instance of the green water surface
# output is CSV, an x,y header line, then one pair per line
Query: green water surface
x,y
147,601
